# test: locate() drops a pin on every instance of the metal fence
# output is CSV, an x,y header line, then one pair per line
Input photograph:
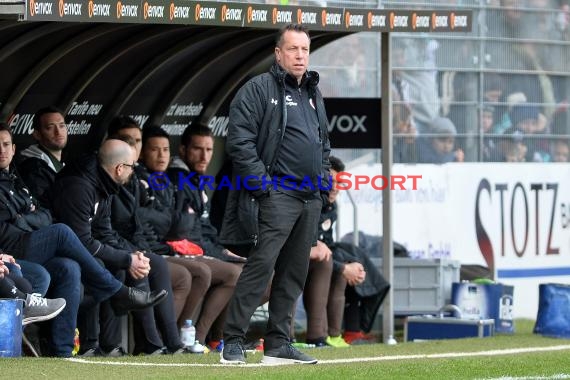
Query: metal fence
x,y
500,93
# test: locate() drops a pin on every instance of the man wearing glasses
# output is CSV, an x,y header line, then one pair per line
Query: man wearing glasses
x,y
81,198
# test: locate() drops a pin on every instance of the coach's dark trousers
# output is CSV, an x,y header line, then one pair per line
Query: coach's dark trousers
x,y
287,227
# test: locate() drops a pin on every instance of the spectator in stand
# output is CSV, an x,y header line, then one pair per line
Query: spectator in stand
x,y
559,151
489,141
418,88
405,150
528,119
510,147
487,119
437,147
504,121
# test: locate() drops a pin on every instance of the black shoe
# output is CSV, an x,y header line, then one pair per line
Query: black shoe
x,y
232,353
179,351
136,299
319,342
116,352
159,351
156,352
286,354
92,353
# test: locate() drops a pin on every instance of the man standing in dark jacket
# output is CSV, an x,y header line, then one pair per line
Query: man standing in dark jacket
x,y
277,140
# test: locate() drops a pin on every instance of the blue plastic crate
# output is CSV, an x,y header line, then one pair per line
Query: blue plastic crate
x,y
430,327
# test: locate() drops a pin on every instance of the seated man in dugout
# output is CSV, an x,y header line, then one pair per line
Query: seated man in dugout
x,y
131,232
176,217
80,197
29,235
342,283
38,165
40,162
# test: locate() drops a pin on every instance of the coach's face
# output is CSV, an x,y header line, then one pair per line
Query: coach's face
x,y
292,54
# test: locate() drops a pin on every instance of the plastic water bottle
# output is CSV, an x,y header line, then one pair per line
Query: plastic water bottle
x,y
188,333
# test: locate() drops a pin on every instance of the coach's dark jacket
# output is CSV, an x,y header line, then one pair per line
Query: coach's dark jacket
x,y
258,117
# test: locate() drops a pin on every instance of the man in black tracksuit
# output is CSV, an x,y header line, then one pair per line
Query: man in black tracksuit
x,y
81,198
277,130
131,233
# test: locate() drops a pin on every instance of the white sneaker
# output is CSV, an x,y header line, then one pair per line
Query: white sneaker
x,y
197,348
38,308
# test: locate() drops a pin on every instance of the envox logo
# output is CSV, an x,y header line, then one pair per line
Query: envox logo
x,y
392,18
256,15
179,12
40,8
119,7
90,9
197,12
61,8
299,16
347,19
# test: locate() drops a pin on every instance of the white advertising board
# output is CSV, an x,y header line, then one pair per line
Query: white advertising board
x,y
514,219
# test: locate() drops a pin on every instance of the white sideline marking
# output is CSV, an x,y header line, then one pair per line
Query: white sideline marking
x,y
559,376
508,351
